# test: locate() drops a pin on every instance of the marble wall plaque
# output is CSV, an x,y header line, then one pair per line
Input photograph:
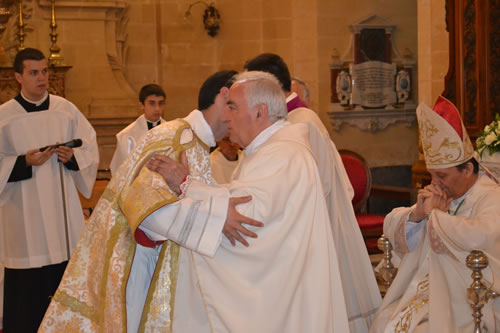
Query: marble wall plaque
x,y
373,84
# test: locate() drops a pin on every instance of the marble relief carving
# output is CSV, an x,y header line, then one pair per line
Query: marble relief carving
x,y
371,83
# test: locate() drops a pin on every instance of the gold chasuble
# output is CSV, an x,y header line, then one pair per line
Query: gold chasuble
x,y
91,296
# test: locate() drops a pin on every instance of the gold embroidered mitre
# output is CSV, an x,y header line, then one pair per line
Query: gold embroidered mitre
x,y
444,138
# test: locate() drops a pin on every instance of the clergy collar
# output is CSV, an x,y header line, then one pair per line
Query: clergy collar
x,y
291,96
201,127
264,136
33,106
151,124
294,102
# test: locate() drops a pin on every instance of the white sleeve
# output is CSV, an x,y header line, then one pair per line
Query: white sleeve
x,y
87,156
194,222
414,233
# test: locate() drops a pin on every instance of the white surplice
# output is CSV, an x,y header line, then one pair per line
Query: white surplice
x,y
430,288
222,168
31,210
288,279
127,139
358,280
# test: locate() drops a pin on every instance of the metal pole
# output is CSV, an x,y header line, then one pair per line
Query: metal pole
x,y
66,232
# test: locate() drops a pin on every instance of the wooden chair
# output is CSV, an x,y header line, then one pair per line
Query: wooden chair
x,y
359,174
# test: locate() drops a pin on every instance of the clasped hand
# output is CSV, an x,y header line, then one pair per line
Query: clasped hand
x,y
174,174
428,198
35,157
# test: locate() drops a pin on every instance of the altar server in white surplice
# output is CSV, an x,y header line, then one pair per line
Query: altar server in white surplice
x,y
287,279
457,213
152,103
358,280
224,160
40,213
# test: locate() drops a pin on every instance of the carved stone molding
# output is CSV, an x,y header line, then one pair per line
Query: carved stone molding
x,y
9,87
372,120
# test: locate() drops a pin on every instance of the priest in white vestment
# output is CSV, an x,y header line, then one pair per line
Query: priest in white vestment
x,y
224,160
152,103
457,213
358,280
287,279
40,212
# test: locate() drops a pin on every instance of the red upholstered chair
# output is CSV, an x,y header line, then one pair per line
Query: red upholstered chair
x,y
359,174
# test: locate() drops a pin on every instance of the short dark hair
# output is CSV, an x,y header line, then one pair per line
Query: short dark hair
x,y
26,54
211,87
150,89
274,64
475,164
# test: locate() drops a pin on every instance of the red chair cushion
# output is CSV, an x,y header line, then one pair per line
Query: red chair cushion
x,y
371,243
370,221
357,175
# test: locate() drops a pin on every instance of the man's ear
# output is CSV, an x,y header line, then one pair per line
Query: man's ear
x,y
224,91
262,110
141,106
18,77
469,168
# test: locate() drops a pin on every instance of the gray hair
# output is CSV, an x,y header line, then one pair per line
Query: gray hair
x,y
263,88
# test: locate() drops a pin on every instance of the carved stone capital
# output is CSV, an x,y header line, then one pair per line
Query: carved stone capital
x,y
373,120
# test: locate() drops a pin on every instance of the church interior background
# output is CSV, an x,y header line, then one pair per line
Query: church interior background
x,y
109,49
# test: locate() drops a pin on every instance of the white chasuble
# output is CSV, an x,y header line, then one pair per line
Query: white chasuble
x,y
31,210
288,279
440,304
358,280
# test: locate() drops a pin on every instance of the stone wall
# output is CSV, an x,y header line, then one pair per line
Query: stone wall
x,y
115,47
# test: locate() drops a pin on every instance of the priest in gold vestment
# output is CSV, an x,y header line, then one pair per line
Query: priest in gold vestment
x,y
92,293
457,213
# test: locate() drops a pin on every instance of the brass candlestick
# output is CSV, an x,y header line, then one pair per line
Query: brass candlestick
x,y
20,24
55,57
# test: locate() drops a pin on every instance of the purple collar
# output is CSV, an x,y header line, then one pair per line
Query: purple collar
x,y
295,103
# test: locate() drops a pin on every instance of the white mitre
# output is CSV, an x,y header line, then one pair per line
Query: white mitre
x,y
444,138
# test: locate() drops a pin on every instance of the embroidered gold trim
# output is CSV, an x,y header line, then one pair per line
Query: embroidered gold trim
x,y
416,302
108,194
152,288
75,305
175,251
114,234
124,282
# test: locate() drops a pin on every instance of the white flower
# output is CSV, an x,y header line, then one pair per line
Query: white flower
x,y
490,138
487,128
